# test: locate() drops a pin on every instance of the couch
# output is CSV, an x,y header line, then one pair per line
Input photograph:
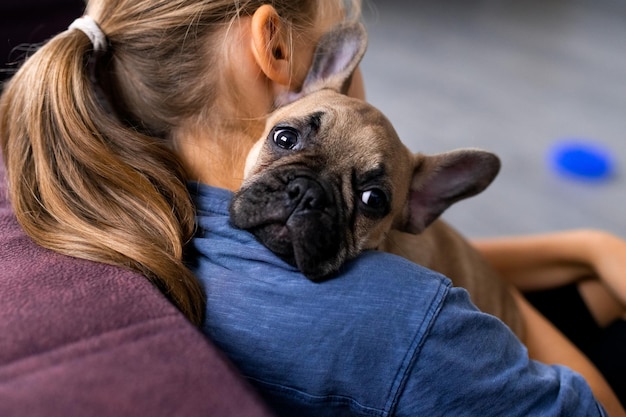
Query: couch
x,y
78,338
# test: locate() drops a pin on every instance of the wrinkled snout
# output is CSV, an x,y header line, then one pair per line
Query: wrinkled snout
x,y
308,195
298,217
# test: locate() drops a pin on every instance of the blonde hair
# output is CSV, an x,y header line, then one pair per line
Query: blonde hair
x,y
87,143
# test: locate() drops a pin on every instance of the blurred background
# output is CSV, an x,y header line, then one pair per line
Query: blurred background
x,y
27,22
512,77
515,78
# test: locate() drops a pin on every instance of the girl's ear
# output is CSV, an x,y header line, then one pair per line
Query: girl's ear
x,y
269,45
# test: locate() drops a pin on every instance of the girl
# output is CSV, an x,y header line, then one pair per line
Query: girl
x,y
102,129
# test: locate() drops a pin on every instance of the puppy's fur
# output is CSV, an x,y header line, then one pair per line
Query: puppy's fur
x,y
330,178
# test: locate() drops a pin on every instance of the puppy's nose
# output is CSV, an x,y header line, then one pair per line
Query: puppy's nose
x,y
307,194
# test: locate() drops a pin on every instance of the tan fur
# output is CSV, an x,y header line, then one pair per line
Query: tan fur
x,y
441,248
354,138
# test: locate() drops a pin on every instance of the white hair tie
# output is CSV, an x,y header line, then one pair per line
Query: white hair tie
x,y
89,27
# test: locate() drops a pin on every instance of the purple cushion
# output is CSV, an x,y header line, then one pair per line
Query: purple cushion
x,y
78,338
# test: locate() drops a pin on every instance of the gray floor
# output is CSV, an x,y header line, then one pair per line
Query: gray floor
x,y
512,77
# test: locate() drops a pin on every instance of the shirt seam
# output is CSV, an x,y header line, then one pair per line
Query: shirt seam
x,y
419,339
311,398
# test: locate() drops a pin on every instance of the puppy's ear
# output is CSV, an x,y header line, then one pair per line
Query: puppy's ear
x,y
441,180
337,55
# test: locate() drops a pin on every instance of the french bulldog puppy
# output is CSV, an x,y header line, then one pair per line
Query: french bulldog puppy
x,y
330,178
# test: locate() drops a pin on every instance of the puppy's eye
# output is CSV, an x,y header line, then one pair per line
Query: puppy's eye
x,y
285,137
374,199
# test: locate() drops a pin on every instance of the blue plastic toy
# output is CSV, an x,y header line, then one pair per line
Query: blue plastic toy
x,y
582,159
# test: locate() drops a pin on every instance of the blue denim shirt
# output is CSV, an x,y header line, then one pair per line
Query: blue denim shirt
x,y
385,338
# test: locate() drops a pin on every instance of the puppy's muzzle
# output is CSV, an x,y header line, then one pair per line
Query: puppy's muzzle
x,y
296,216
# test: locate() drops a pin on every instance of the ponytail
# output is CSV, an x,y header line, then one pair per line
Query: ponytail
x,y
84,184
101,182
